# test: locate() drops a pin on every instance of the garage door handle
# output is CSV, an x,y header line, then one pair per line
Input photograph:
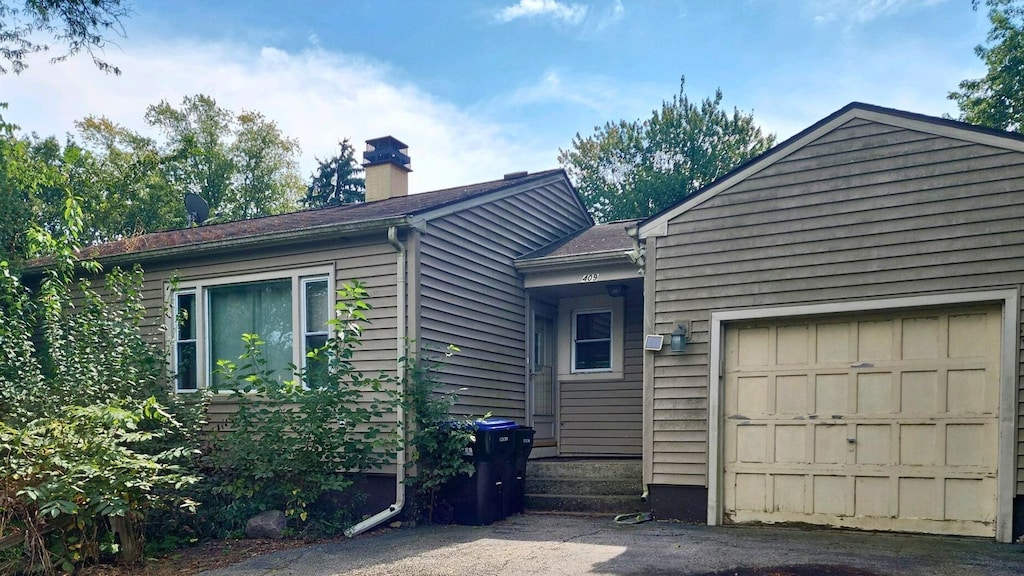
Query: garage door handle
x,y
851,440
862,365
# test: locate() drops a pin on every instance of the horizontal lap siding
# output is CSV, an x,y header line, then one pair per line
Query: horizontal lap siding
x,y
867,211
371,262
605,418
471,295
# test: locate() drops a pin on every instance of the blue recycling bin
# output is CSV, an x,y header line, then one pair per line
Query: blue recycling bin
x,y
480,499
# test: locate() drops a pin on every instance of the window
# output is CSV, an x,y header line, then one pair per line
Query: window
x,y
185,367
592,341
288,311
590,338
315,313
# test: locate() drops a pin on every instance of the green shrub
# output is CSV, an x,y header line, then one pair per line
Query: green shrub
x,y
438,440
88,438
291,445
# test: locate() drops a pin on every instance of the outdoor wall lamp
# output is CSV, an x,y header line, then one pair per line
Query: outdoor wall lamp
x,y
677,342
616,290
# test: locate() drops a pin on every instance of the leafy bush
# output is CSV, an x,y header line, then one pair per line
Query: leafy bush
x,y
290,445
86,448
438,440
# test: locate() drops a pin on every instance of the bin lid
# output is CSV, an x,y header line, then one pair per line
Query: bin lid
x,y
495,424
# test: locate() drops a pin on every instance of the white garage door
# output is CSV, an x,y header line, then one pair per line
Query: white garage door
x,y
882,423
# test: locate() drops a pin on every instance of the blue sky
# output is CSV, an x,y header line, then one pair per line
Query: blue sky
x,y
481,88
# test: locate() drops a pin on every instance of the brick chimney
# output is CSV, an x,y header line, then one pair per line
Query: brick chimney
x,y
386,161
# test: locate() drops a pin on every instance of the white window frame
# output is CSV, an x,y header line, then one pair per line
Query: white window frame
x,y
175,341
568,308
303,282
200,286
573,349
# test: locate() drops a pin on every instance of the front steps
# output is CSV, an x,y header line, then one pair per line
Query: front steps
x,y
586,486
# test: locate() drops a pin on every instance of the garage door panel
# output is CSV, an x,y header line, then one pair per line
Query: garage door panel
x,y
875,341
874,393
882,423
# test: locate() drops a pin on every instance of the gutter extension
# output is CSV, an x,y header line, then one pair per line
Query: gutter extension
x,y
393,510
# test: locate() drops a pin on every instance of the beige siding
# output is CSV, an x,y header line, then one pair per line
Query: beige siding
x,y
472,296
371,261
868,210
605,417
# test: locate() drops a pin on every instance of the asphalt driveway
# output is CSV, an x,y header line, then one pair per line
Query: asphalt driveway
x,y
569,545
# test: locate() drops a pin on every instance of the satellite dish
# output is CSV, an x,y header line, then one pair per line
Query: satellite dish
x,y
196,209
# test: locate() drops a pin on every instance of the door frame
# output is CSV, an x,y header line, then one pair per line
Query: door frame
x,y
1006,466
535,309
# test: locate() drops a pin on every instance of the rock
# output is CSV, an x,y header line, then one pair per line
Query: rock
x,y
410,524
269,524
395,524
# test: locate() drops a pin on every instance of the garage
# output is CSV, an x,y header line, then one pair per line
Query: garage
x,y
880,421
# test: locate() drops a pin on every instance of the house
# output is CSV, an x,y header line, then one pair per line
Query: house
x,y
849,303
854,299
440,268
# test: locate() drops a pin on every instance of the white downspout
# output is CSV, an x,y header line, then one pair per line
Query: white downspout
x,y
393,510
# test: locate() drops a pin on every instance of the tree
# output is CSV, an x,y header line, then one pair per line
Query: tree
x,y
636,169
336,180
129,194
241,164
268,180
996,100
75,24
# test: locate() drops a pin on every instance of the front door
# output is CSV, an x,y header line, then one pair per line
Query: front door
x,y
542,386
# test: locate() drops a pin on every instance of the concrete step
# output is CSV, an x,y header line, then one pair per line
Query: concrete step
x,y
584,486
593,486
585,504
592,469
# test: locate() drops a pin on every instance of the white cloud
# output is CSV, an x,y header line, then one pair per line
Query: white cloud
x,y
854,12
567,13
315,96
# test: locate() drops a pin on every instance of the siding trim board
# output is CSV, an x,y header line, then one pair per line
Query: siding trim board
x,y
1011,304
657,225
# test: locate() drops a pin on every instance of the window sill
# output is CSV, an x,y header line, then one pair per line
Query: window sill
x,y
610,375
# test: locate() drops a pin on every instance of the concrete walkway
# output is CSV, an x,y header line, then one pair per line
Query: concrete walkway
x,y
565,546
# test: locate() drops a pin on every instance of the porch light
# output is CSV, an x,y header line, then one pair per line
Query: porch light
x,y
616,290
678,339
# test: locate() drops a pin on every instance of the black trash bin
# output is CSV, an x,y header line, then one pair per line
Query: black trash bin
x,y
479,499
514,485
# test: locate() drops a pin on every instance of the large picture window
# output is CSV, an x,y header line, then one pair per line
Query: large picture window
x,y
592,341
288,312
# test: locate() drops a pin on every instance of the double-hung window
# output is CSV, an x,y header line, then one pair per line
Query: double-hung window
x,y
590,338
289,312
591,341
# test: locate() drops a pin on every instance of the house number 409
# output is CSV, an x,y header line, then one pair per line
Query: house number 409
x,y
589,278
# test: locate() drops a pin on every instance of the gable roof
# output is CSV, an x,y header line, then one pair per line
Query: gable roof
x,y
609,240
317,223
657,225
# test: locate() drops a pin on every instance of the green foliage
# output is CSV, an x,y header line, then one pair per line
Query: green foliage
x,y
241,164
438,441
80,467
129,184
86,441
336,180
636,169
295,441
996,100
75,24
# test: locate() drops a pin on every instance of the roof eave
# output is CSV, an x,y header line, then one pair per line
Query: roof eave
x,y
572,260
261,240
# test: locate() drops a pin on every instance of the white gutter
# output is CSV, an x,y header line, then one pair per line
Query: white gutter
x,y
393,510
